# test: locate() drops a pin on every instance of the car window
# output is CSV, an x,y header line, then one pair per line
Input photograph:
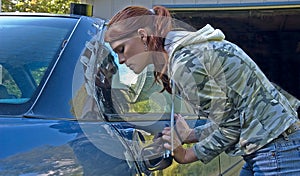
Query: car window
x,y
119,93
130,95
9,88
28,46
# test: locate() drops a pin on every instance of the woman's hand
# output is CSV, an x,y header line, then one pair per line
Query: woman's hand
x,y
181,155
182,129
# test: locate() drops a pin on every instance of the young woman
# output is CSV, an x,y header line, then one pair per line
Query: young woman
x,y
248,115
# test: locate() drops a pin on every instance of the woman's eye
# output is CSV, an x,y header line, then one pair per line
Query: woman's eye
x,y
121,49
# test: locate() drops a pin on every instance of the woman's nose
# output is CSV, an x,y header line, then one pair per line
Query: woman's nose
x,y
122,59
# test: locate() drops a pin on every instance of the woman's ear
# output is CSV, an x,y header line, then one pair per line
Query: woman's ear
x,y
143,34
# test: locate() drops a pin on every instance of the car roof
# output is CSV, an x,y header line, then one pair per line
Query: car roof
x,y
39,14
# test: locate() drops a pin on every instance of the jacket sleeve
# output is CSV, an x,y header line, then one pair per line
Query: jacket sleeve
x,y
202,82
294,102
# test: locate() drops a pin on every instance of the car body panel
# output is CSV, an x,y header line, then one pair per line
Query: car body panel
x,y
53,147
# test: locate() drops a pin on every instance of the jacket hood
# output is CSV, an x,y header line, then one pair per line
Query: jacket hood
x,y
175,39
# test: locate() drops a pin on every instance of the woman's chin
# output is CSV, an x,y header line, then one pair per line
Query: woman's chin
x,y
136,71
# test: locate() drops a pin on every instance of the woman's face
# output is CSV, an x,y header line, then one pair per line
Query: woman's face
x,y
132,52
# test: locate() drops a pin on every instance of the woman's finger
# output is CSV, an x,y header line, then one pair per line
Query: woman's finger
x,y
166,138
166,131
167,146
177,116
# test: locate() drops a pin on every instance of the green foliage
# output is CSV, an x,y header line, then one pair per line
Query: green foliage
x,y
38,74
41,6
9,83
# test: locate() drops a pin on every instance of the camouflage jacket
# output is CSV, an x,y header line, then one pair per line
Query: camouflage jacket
x,y
222,83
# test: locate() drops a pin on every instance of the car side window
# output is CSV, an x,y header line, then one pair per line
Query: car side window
x,y
15,86
38,73
119,93
8,87
27,50
140,94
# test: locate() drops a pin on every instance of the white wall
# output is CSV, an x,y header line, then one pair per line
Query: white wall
x,y
107,8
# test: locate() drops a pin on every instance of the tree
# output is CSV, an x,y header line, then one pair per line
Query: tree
x,y
41,6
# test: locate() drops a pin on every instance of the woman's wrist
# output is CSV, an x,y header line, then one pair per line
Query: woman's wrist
x,y
179,154
184,156
191,137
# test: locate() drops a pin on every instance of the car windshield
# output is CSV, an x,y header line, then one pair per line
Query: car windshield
x,y
28,45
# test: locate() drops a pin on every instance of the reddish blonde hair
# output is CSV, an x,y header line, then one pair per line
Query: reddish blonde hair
x,y
126,23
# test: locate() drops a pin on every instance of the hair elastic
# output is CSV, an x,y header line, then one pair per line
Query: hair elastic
x,y
152,11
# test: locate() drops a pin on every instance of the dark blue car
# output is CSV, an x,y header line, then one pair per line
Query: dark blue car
x,y
68,108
